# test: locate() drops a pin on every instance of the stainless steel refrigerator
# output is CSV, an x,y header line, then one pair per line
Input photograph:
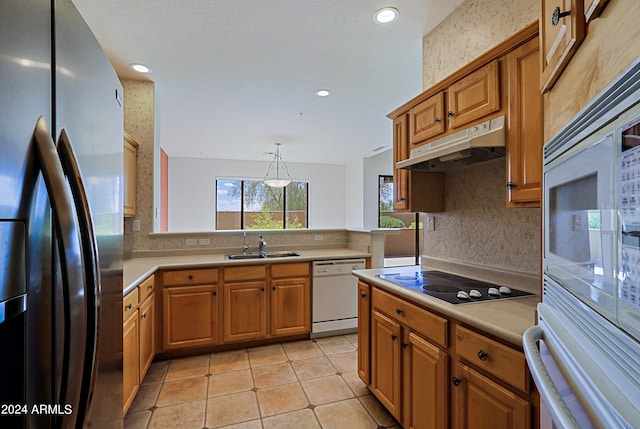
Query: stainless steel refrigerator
x,y
61,221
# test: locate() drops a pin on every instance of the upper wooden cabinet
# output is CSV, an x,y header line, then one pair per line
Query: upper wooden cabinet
x,y
593,8
562,29
426,120
524,129
130,154
474,96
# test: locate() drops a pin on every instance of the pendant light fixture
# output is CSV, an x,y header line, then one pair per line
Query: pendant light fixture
x,y
277,181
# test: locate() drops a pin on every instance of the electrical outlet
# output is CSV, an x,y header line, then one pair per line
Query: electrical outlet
x,y
577,222
319,237
191,242
431,223
204,241
135,225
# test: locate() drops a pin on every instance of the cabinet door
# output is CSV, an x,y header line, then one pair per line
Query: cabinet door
x,y
385,362
474,96
290,306
130,360
561,32
426,120
481,403
400,153
245,311
524,132
147,334
190,316
130,155
364,330
425,384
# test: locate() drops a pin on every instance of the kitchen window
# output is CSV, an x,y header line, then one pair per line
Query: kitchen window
x,y
250,204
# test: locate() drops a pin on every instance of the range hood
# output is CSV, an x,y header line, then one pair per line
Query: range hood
x,y
481,142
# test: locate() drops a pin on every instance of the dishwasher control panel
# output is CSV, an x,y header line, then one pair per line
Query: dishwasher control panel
x,y
337,267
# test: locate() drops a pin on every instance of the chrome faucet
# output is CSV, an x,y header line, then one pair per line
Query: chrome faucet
x,y
245,246
261,245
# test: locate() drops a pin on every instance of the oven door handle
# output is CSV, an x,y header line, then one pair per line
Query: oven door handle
x,y
548,391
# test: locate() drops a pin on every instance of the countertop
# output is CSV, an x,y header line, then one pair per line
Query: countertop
x,y
506,319
135,270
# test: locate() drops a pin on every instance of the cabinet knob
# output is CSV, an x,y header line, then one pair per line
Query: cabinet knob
x,y
456,381
450,114
190,277
364,295
555,17
144,316
394,337
405,345
150,286
482,355
400,199
398,311
262,289
129,307
214,293
273,288
437,120
510,185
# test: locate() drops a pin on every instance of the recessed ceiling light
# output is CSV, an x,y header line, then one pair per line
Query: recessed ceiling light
x,y
386,15
323,93
140,68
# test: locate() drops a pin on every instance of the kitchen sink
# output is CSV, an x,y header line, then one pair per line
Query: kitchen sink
x,y
266,255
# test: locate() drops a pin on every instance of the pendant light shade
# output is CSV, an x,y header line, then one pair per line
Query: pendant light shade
x,y
277,181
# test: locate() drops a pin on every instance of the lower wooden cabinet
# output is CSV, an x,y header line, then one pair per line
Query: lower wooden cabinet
x,y
479,402
364,317
146,316
386,366
189,316
290,306
245,311
130,359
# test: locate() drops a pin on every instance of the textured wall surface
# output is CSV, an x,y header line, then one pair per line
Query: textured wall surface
x,y
473,28
476,226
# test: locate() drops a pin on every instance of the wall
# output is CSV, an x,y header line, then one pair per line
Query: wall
x,y
192,190
354,199
375,166
476,228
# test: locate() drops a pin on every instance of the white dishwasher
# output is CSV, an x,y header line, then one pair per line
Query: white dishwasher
x,y
335,297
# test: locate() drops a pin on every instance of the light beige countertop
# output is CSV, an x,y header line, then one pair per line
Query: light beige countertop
x,y
506,319
135,270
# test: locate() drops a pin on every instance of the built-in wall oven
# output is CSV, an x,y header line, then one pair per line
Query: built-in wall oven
x,y
584,354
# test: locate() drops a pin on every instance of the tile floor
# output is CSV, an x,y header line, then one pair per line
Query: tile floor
x,y
297,385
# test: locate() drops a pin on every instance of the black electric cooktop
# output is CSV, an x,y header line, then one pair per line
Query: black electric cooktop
x,y
452,288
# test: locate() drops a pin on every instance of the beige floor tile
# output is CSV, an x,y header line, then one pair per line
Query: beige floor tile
x,y
377,411
281,399
137,420
344,414
226,383
183,416
181,391
228,361
335,345
193,366
326,389
274,375
267,355
146,397
313,368
302,350
232,409
156,373
352,338
301,419
355,383
253,424
345,362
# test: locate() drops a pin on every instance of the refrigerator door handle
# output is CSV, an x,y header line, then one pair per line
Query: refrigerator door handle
x,y
92,270
72,270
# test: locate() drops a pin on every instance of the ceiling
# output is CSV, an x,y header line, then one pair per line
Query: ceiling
x,y
234,77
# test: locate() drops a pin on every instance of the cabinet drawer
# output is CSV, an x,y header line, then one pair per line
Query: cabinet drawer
x,y
146,287
498,359
188,277
129,303
246,272
415,318
300,269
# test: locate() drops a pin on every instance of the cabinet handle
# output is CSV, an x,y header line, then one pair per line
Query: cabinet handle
x,y
129,306
482,355
450,114
273,288
405,345
394,337
144,316
150,286
364,295
214,293
437,120
510,185
456,381
262,289
398,311
190,277
555,17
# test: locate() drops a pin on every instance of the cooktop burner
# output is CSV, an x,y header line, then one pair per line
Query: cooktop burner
x,y
452,288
